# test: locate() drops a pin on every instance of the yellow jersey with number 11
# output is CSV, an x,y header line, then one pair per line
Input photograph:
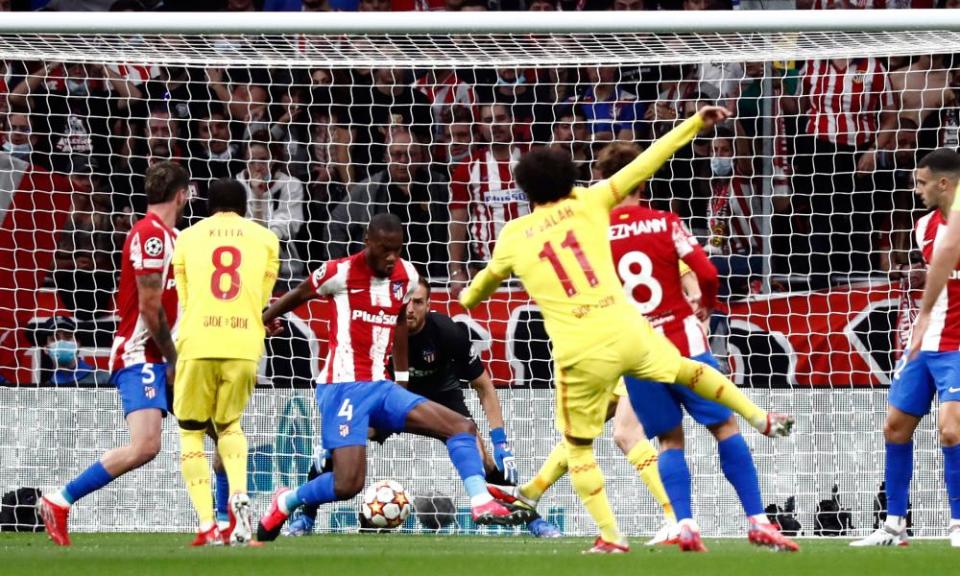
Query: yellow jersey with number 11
x,y
561,254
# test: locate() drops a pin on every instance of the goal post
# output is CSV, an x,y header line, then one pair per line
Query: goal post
x,y
804,201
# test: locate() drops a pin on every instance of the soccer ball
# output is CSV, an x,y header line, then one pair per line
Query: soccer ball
x,y
385,504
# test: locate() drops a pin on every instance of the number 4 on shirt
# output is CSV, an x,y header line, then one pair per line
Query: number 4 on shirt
x,y
570,242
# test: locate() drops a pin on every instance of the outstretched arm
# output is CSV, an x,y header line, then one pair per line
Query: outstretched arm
x,y
646,165
289,301
484,284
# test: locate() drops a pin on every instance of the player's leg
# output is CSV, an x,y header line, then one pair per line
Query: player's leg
x,y
945,368
194,398
237,379
911,392
629,436
660,414
302,524
144,401
221,490
583,398
409,412
949,423
659,361
345,410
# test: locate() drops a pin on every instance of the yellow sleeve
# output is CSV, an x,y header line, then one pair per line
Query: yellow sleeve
x,y
684,269
621,184
497,270
180,271
272,268
956,200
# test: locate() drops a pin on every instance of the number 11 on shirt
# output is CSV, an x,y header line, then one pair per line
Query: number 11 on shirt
x,y
571,243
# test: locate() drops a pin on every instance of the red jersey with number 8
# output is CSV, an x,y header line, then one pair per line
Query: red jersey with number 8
x,y
648,246
147,250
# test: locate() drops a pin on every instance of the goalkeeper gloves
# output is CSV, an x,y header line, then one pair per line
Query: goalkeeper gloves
x,y
503,455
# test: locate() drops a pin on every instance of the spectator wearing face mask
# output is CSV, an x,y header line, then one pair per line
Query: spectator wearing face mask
x,y
19,140
61,364
734,243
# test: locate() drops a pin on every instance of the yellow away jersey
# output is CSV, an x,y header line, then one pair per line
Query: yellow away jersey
x,y
225,268
561,253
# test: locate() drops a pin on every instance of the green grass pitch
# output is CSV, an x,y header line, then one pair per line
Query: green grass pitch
x,y
401,554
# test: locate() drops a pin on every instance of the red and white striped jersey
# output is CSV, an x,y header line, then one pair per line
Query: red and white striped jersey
x,y
733,229
484,187
943,335
148,250
363,310
845,103
136,74
647,247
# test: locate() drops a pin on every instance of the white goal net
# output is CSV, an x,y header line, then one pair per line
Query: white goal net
x,y
804,200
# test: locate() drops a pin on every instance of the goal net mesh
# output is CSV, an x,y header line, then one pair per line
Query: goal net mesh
x,y
804,200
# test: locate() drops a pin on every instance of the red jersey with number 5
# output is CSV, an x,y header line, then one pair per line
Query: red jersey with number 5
x,y
363,309
147,250
647,247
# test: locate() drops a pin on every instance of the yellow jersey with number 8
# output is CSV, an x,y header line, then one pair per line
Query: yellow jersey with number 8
x,y
225,267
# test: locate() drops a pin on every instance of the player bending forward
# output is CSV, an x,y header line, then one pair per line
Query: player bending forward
x,y
441,357
225,266
561,254
143,356
932,365
365,294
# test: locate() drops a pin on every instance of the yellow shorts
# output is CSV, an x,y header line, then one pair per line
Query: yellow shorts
x,y
586,388
213,389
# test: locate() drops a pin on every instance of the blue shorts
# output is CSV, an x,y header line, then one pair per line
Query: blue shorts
x,y
659,406
142,386
348,409
915,382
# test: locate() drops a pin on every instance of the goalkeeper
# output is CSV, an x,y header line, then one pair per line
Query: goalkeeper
x,y
441,357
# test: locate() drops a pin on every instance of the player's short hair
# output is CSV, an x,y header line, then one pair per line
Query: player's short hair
x,y
942,161
227,195
385,223
546,175
425,283
615,156
164,180
723,132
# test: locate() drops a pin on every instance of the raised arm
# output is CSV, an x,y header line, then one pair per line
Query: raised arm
x,y
646,165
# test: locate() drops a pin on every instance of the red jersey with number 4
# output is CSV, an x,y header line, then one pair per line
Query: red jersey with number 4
x,y
647,247
147,250
943,334
363,310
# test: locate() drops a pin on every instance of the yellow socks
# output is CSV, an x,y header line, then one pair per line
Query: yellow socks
x,y
196,474
587,480
712,385
232,446
643,458
551,471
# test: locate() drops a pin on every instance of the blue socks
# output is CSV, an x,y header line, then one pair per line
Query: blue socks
x,y
222,496
317,491
676,481
737,465
951,469
90,480
466,459
897,473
